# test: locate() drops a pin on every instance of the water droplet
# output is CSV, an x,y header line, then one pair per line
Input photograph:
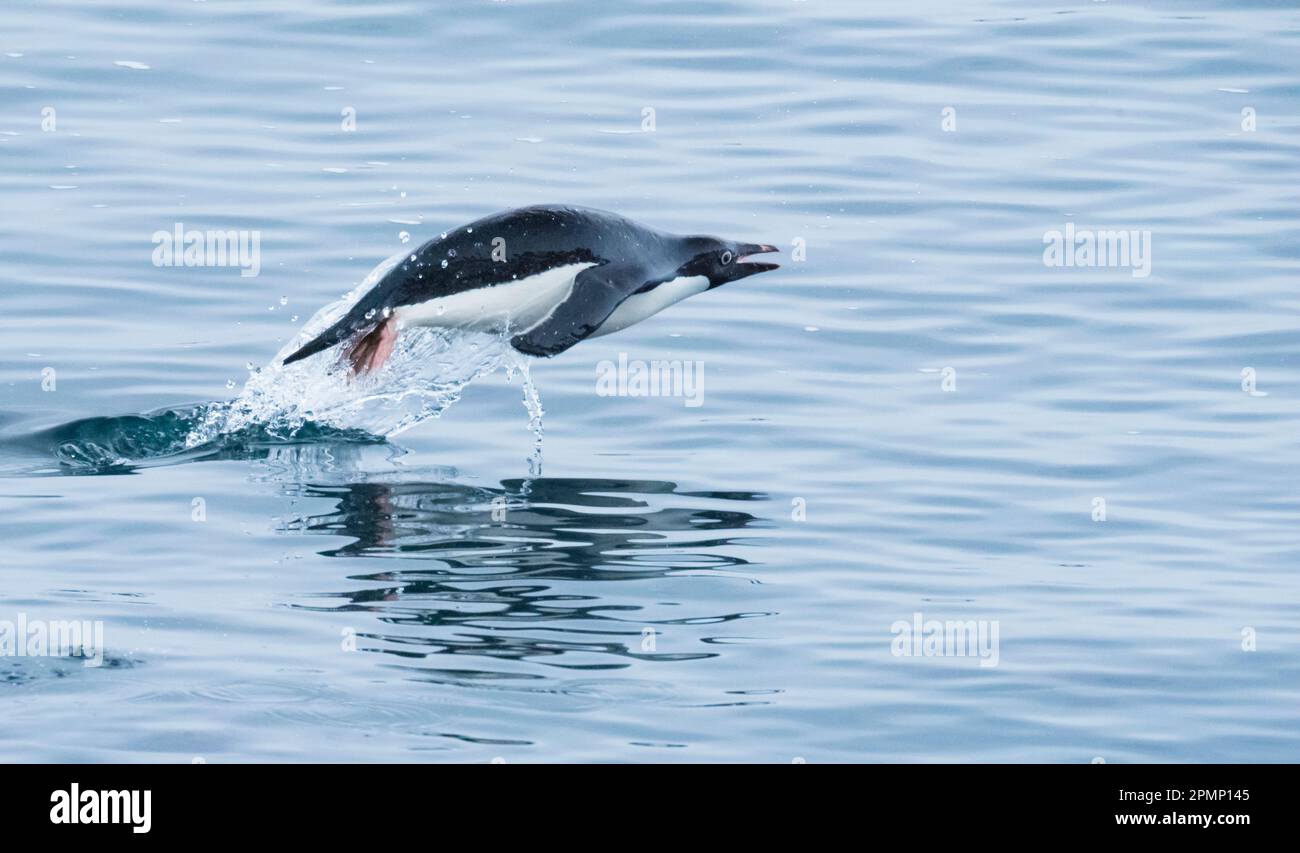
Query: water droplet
x,y
249,365
469,230
388,312
403,194
403,236
293,319
442,236
441,308
412,257
230,383
370,315
444,264
284,300
451,253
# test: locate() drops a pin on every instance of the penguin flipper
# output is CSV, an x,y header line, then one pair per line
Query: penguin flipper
x,y
596,292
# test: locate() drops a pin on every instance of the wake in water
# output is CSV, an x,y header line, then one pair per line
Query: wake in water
x,y
427,372
311,400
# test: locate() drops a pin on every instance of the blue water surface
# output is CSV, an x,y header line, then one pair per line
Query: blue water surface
x,y
914,415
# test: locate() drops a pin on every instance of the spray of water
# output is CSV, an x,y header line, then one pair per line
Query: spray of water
x,y
533,403
310,401
426,373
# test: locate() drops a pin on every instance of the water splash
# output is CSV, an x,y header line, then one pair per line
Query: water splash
x,y
309,401
533,403
427,372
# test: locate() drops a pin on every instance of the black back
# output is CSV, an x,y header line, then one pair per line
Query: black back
x,y
533,240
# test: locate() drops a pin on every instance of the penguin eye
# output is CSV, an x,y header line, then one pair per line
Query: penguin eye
x,y
726,258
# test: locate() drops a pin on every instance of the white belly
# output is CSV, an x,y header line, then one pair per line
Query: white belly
x,y
639,306
516,306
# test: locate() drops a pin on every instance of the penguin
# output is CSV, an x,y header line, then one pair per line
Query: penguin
x,y
547,276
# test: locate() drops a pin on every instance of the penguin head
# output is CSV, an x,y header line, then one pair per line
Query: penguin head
x,y
722,261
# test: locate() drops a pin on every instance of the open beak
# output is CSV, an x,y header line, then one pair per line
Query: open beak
x,y
745,266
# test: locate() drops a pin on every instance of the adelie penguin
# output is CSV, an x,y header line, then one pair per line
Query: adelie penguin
x,y
546,276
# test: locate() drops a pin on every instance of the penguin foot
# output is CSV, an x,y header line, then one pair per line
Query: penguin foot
x,y
369,352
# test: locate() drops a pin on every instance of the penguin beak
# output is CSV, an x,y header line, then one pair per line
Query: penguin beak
x,y
743,266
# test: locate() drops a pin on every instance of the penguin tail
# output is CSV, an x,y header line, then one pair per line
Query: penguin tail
x,y
368,350
320,342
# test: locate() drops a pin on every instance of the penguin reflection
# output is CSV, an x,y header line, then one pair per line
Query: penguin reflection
x,y
515,569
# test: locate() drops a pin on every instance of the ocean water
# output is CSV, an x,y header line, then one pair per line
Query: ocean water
x,y
1094,465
